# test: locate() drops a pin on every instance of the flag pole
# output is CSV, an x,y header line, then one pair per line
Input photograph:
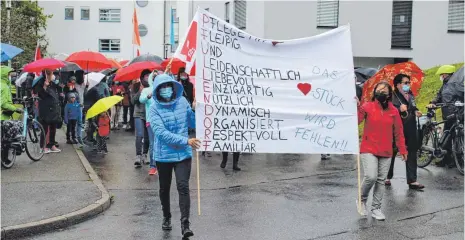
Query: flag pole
x,y
198,181
134,7
359,204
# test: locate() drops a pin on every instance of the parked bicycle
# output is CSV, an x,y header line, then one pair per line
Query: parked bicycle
x,y
433,142
31,140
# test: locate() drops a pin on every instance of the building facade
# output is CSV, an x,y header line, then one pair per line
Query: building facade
x,y
428,32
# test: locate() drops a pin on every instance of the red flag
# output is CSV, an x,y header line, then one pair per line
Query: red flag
x,y
136,36
188,48
138,53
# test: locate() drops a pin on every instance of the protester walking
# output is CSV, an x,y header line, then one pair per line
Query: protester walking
x,y
170,117
235,160
103,131
382,126
404,101
188,92
142,135
73,115
49,109
146,98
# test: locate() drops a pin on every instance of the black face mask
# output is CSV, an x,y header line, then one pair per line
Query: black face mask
x,y
382,99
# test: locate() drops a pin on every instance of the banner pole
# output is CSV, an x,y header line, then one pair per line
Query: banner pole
x,y
198,181
359,204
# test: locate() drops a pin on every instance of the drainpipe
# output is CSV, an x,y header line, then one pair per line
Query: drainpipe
x,y
165,54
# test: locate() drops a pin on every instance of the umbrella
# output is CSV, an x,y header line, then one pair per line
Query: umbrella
x,y
103,105
9,51
146,58
90,61
70,67
93,79
44,63
388,72
176,64
21,79
364,74
134,70
37,79
124,62
114,63
109,71
456,84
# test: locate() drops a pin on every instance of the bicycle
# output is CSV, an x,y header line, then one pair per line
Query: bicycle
x,y
433,143
32,132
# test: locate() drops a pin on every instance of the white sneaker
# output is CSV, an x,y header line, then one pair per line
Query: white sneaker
x,y
377,214
363,210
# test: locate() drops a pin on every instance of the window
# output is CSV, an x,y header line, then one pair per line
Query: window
x,y
142,3
226,12
327,14
109,45
143,30
401,34
110,15
69,13
85,13
456,15
240,14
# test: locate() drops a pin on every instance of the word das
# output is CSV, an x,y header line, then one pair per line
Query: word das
x,y
247,123
241,112
234,147
232,100
241,89
318,138
322,121
328,97
241,70
246,135
324,72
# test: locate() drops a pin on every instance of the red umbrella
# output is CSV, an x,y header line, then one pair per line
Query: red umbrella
x,y
134,70
176,64
90,61
44,63
123,62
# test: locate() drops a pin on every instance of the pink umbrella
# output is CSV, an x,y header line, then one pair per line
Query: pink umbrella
x,y
42,64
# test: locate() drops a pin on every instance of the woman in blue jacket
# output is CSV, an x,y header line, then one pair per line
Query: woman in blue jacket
x,y
170,118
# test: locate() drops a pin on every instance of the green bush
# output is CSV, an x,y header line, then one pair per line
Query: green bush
x,y
429,88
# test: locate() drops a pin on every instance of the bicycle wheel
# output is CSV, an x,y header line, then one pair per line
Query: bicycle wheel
x,y
35,140
424,158
8,157
457,151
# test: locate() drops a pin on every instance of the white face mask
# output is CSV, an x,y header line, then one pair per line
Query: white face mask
x,y
441,78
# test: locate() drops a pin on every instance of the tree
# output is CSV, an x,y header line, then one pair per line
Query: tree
x,y
27,26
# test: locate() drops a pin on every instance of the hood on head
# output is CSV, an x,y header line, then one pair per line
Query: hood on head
x,y
165,78
4,71
71,95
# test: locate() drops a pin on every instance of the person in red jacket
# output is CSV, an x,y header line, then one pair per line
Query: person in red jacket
x,y
103,131
382,123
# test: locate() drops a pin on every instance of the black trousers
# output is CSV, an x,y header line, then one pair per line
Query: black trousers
x,y
102,143
448,159
410,166
125,114
50,129
71,129
131,116
90,130
182,171
235,157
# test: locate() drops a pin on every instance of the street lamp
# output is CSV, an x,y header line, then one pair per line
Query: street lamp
x,y
165,54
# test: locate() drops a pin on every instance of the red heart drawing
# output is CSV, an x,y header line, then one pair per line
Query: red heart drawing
x,y
304,87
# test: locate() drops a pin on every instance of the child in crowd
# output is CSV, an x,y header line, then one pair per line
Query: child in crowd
x,y
103,131
72,117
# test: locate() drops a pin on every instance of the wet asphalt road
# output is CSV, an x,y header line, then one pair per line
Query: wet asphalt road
x,y
273,197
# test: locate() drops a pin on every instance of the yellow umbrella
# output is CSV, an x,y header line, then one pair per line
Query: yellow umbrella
x,y
103,105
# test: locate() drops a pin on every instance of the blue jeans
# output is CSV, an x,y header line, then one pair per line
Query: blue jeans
x,y
152,140
79,128
141,133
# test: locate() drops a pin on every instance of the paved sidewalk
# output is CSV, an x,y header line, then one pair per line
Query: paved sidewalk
x,y
55,192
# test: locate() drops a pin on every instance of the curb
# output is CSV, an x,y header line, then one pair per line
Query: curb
x,y
66,220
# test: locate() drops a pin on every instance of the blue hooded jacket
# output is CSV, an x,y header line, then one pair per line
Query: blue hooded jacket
x,y
170,122
144,97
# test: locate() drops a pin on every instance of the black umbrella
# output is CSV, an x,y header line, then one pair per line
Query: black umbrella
x,y
368,72
70,67
109,71
456,83
146,58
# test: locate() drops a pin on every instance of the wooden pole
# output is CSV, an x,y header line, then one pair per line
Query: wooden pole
x,y
359,204
198,181
168,67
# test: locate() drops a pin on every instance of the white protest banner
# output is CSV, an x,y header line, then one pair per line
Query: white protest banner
x,y
295,96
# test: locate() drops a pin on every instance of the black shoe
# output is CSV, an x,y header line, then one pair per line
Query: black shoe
x,y
416,186
69,141
74,141
186,232
223,163
235,167
137,164
166,224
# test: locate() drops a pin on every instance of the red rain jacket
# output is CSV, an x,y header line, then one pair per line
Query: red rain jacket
x,y
380,128
104,126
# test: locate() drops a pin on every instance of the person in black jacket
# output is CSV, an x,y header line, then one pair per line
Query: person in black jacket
x,y
404,101
49,108
90,98
183,78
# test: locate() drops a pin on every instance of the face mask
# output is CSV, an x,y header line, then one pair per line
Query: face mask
x,y
441,78
405,88
381,97
166,92
184,78
56,81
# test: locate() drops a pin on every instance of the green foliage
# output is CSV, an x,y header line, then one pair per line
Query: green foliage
x,y
27,25
429,88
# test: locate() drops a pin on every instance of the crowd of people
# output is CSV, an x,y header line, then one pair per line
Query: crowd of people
x,y
159,109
